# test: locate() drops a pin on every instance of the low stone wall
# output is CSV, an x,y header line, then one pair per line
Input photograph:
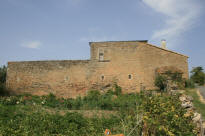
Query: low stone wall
x,y
197,118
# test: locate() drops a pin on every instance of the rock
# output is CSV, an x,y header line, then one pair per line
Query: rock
x,y
187,104
185,98
182,98
174,92
189,98
197,117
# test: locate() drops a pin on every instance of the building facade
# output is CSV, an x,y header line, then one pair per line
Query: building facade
x,y
130,64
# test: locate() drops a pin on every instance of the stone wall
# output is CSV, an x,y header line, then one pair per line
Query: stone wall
x,y
63,78
138,59
131,64
153,57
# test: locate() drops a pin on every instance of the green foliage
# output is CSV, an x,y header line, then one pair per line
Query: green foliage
x,y
137,114
161,82
118,90
3,90
51,101
163,115
198,76
176,76
164,81
16,122
3,74
189,83
93,95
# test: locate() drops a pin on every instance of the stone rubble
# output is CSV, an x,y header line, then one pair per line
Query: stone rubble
x,y
197,118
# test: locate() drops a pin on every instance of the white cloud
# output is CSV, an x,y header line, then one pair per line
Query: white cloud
x,y
180,16
31,44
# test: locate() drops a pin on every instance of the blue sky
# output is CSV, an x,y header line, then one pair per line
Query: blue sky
x,y
61,29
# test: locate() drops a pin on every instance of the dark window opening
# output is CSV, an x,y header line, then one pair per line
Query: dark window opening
x,y
102,77
129,76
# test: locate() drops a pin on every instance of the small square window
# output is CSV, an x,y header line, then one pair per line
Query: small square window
x,y
102,77
129,76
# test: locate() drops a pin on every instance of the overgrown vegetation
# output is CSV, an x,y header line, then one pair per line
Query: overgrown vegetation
x,y
136,114
93,101
189,83
168,79
16,120
198,76
161,82
3,90
3,74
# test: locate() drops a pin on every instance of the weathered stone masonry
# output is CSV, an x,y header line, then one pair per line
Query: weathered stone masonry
x,y
132,64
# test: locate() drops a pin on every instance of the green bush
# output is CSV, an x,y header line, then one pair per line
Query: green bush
x,y
198,76
118,90
164,115
189,83
3,90
51,101
161,82
158,115
3,74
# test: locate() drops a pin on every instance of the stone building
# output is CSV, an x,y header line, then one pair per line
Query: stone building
x,y
130,64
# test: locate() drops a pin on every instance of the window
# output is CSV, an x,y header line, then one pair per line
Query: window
x,y
101,56
129,76
102,77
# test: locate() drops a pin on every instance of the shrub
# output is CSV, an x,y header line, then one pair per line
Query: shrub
x,y
68,103
51,101
198,76
118,90
3,74
93,95
3,90
77,103
161,82
158,115
12,100
163,115
189,83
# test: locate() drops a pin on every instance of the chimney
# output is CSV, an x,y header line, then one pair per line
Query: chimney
x,y
163,44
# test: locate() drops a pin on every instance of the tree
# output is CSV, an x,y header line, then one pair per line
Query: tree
x,y
3,90
3,74
197,75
